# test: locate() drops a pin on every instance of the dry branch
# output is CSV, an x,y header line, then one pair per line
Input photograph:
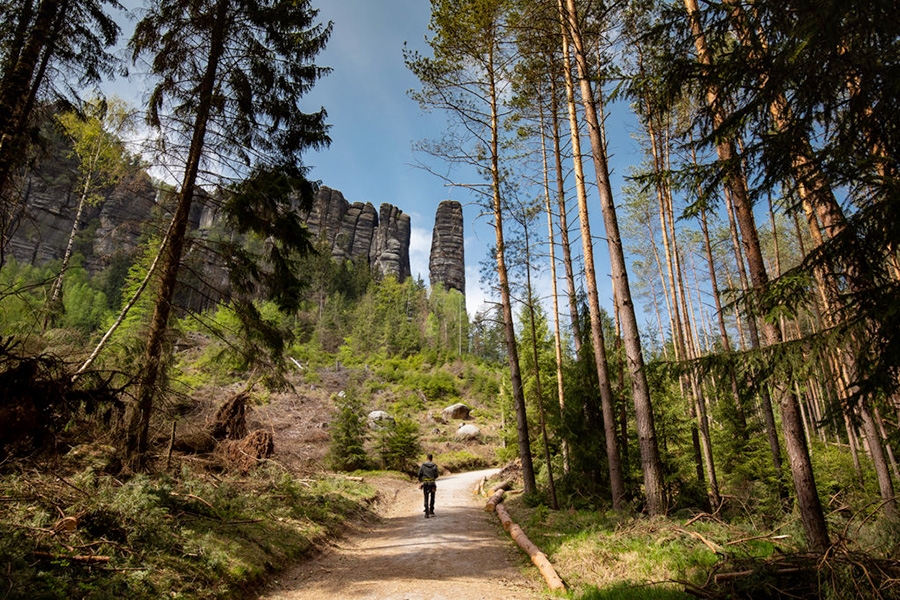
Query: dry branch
x,y
77,558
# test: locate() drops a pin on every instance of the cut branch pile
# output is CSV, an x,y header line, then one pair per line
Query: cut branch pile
x,y
839,573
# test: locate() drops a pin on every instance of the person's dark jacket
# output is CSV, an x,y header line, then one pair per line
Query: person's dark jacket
x,y
428,472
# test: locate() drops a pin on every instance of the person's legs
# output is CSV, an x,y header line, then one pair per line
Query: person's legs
x,y
429,498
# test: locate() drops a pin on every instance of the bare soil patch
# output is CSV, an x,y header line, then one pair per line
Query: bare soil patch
x,y
460,553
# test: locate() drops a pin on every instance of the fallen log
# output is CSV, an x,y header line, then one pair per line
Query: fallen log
x,y
538,558
504,517
503,485
496,499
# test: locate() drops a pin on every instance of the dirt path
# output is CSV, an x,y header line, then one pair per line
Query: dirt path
x,y
459,554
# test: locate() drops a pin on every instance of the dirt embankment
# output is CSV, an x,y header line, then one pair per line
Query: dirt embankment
x,y
460,554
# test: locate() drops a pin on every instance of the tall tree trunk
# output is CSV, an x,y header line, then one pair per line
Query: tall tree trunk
x,y
22,80
616,477
551,241
563,211
137,415
512,351
649,449
817,196
542,419
723,330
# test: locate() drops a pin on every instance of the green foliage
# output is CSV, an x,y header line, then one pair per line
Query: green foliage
x,y
384,320
348,433
439,385
22,295
86,307
186,536
460,460
399,444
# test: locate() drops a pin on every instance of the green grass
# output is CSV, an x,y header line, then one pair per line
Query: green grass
x,y
185,536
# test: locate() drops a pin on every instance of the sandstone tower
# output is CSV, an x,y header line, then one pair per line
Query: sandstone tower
x,y
447,265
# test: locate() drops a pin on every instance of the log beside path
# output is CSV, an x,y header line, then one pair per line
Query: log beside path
x,y
538,558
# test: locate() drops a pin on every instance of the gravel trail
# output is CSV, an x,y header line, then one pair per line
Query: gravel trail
x,y
459,554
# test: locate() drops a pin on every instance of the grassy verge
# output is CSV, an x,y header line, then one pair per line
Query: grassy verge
x,y
605,556
188,535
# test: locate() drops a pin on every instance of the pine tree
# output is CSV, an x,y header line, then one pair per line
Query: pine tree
x,y
230,78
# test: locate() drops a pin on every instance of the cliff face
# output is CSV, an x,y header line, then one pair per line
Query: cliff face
x,y
352,231
357,231
44,222
447,265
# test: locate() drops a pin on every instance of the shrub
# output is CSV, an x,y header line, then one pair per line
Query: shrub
x,y
399,445
347,450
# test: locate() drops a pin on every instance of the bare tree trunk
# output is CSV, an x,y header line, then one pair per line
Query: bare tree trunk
x,y
650,460
564,219
554,504
512,350
137,414
723,330
551,241
616,477
21,81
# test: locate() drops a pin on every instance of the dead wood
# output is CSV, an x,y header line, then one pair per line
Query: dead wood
x,y
538,558
77,558
496,499
504,517
230,422
715,548
197,442
245,454
503,485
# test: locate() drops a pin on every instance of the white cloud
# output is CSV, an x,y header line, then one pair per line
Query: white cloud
x,y
419,252
476,298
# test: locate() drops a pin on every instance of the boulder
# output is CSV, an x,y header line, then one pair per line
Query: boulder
x,y
468,432
455,411
379,419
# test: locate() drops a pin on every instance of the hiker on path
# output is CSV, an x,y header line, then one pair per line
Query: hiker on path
x,y
428,473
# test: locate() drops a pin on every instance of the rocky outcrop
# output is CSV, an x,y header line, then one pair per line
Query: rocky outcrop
x,y
390,248
43,225
356,230
447,265
455,411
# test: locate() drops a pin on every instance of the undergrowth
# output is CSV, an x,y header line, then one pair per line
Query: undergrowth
x,y
611,555
184,535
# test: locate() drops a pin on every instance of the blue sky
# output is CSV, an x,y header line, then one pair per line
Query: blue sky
x,y
374,124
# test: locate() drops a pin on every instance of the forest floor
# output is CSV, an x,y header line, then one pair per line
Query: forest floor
x,y
460,553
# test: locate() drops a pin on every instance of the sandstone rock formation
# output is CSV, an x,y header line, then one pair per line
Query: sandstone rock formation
x,y
357,231
455,411
447,265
